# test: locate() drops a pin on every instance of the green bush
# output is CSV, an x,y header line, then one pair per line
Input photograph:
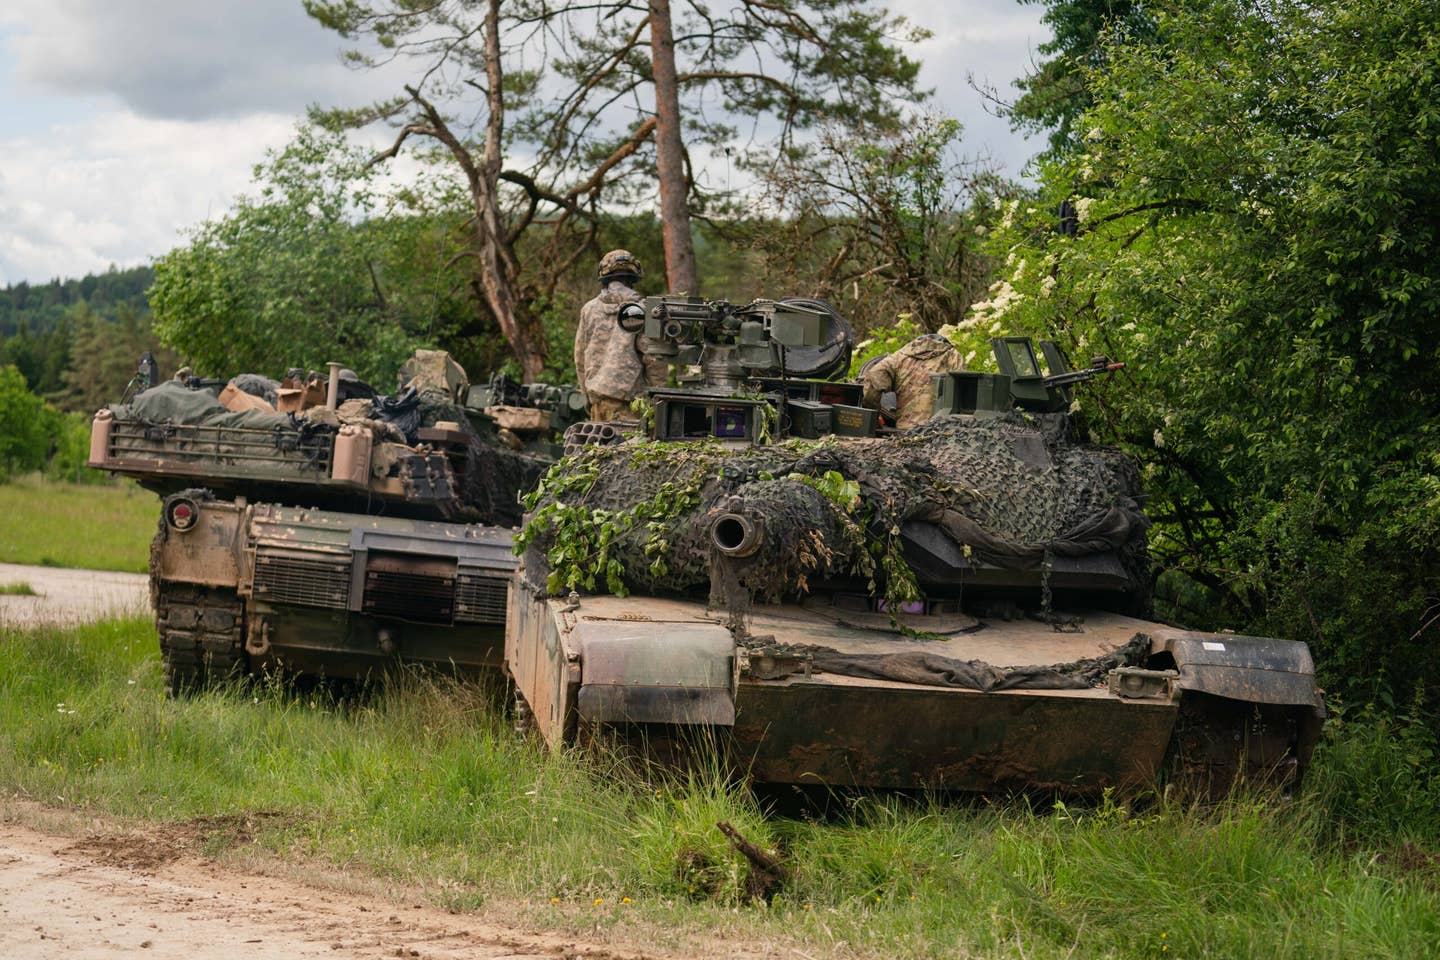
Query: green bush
x,y
26,425
71,449
1374,778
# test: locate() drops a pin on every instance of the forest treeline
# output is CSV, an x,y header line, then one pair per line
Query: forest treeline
x,y
1236,198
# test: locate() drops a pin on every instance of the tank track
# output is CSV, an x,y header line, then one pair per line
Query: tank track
x,y
202,638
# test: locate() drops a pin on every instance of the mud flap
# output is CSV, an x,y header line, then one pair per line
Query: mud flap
x,y
1248,669
637,672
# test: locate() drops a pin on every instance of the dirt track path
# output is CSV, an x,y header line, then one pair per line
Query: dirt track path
x,y
121,895
71,596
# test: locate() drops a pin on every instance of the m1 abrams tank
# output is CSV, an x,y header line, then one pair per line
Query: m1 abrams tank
x,y
317,527
963,606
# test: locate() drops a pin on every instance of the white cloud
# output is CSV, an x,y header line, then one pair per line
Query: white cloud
x,y
127,121
180,58
118,189
992,41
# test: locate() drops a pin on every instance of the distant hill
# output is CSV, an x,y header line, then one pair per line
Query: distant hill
x,y
39,308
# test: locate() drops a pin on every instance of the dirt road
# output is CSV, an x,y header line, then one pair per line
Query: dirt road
x,y
70,596
140,895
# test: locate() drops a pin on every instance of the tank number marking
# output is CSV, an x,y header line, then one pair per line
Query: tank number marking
x,y
1213,645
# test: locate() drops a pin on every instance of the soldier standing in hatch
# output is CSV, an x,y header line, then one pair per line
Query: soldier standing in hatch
x,y
907,371
608,364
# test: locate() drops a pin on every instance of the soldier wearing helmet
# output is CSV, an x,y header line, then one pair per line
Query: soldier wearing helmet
x,y
608,364
907,372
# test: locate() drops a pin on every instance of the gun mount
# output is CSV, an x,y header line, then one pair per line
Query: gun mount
x,y
1019,385
794,337
738,363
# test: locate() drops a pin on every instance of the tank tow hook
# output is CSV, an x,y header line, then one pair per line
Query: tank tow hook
x,y
1133,683
257,642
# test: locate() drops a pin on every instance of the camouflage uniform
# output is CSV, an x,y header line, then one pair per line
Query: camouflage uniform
x,y
907,371
608,364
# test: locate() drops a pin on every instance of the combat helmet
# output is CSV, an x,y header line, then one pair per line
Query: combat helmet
x,y
620,263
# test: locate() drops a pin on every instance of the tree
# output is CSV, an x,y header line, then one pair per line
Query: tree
x,y
572,89
889,223
25,426
319,266
1057,91
105,355
1257,236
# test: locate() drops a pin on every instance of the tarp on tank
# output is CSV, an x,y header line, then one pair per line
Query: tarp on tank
x,y
173,402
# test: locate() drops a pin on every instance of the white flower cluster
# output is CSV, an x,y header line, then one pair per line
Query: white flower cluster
x,y
989,312
1008,220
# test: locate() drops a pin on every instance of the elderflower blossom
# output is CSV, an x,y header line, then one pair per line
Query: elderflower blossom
x,y
1095,134
1008,220
1046,286
1082,208
1003,296
1159,439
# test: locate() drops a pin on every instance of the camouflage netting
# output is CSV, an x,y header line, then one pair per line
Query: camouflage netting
x,y
1011,490
496,475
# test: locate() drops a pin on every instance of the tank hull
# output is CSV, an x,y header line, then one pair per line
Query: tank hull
x,y
1213,708
245,588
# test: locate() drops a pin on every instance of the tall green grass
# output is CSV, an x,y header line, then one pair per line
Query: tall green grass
x,y
424,782
92,526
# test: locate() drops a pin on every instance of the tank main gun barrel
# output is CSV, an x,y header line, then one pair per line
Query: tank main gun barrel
x,y
737,534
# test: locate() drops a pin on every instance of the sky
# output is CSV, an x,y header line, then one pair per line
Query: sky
x,y
125,122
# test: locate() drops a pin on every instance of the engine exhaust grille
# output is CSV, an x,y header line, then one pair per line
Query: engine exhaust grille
x,y
419,589
480,599
307,581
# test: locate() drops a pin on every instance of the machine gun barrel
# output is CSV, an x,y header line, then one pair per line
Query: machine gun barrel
x,y
1101,366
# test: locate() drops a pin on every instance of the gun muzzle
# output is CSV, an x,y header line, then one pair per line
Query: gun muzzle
x,y
736,534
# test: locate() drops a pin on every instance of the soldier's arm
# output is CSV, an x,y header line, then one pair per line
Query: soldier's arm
x,y
580,334
877,381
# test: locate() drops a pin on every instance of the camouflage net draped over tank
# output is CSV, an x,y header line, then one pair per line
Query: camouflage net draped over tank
x,y
496,474
1010,491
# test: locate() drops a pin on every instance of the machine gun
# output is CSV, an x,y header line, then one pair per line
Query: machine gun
x,y
1019,384
564,404
760,365
794,337
147,374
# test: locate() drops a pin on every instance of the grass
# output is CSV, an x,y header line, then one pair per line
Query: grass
x,y
424,783
17,590
91,526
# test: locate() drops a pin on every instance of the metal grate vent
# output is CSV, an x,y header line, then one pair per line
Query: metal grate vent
x,y
410,588
307,581
480,599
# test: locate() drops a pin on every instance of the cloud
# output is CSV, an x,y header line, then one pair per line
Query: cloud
x,y
118,189
991,41
181,59
127,121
